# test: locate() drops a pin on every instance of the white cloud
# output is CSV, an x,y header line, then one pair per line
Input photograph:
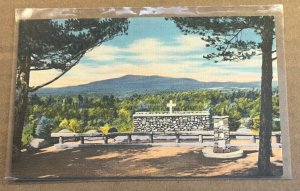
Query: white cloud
x,y
103,53
82,74
190,43
172,59
149,50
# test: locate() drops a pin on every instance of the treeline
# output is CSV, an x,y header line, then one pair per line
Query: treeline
x,y
46,114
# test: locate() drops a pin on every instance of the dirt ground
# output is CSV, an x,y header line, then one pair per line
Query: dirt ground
x,y
128,161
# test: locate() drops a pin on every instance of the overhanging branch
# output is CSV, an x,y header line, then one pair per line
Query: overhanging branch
x,y
39,69
234,36
79,56
32,89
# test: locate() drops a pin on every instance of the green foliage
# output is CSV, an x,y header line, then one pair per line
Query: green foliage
x,y
28,132
124,122
88,127
226,42
56,122
65,42
74,126
50,44
224,35
64,124
246,122
276,125
104,129
256,123
234,119
44,127
89,112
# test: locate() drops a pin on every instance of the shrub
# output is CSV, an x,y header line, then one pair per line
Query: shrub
x,y
234,120
74,125
64,124
124,122
105,128
276,125
28,133
44,127
256,123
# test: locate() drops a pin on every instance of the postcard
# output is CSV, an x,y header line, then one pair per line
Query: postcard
x,y
150,93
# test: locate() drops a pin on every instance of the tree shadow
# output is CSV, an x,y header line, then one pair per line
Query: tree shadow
x,y
126,161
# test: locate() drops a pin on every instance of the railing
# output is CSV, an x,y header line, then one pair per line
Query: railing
x,y
202,135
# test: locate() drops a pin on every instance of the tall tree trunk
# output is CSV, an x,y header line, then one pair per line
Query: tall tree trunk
x,y
265,129
22,89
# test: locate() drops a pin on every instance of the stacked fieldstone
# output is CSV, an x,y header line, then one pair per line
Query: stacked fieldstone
x,y
221,135
176,121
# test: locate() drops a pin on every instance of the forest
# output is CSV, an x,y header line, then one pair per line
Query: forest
x,y
80,113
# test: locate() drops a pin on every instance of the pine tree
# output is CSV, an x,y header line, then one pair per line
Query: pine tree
x,y
55,44
224,37
44,127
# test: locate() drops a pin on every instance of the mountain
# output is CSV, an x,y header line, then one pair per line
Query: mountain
x,y
131,84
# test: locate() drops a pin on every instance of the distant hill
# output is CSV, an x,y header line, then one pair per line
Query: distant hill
x,y
131,84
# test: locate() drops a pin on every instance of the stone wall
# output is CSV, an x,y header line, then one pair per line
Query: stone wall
x,y
177,121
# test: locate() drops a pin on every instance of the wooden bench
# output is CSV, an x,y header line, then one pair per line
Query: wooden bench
x,y
202,135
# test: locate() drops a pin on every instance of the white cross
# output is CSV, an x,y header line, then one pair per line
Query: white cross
x,y
170,106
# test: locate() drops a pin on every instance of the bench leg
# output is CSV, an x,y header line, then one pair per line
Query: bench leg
x,y
61,140
201,138
151,138
129,138
253,139
177,138
105,140
278,139
82,140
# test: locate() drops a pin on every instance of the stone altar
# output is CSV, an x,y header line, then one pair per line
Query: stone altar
x,y
170,121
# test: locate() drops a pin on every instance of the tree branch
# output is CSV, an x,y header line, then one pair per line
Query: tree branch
x,y
39,69
234,36
271,52
32,89
79,56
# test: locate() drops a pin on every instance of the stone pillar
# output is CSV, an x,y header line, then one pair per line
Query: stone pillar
x,y
221,134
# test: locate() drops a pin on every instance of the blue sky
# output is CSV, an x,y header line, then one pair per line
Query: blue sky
x,y
155,46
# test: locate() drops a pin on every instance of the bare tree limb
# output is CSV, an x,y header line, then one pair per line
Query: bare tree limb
x,y
79,56
32,89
